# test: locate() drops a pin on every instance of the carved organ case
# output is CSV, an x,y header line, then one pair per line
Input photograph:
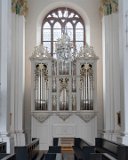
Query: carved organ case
x,y
64,94
63,85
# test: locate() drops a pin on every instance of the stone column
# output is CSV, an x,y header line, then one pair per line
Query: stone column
x,y
111,80
5,74
19,52
123,31
12,52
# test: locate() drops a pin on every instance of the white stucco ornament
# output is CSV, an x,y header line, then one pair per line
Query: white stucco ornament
x,y
86,117
63,115
41,117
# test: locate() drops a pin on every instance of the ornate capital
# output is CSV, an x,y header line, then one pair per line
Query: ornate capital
x,y
108,7
19,7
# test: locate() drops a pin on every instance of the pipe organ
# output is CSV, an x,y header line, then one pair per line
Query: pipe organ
x,y
63,88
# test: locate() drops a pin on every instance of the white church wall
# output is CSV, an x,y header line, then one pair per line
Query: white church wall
x,y
89,10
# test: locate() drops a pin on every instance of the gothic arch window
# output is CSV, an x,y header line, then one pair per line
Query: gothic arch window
x,y
57,22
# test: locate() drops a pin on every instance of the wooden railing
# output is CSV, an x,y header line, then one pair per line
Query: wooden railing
x,y
107,150
27,152
3,154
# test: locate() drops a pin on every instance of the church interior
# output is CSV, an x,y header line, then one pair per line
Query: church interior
x,y
64,79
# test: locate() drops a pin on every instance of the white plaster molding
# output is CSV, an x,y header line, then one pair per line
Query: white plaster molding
x,y
85,116
41,117
64,115
123,139
107,135
19,138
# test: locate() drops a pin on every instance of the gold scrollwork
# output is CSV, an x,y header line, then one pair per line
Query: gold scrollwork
x,y
64,83
43,68
86,69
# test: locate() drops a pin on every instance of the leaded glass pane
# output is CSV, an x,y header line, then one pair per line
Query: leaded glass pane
x,y
71,15
46,34
57,25
46,25
48,45
65,13
74,21
60,14
51,21
79,35
54,15
56,34
54,47
77,16
70,33
79,25
49,16
69,29
78,45
69,25
56,31
63,20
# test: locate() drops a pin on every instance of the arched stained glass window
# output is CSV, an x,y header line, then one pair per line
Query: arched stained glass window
x,y
62,20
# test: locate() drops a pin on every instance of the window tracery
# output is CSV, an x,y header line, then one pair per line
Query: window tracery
x,y
62,20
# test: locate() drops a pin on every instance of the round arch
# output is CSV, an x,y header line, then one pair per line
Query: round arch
x,y
62,4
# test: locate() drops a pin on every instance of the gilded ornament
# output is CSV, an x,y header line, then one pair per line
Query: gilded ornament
x,y
19,7
108,7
